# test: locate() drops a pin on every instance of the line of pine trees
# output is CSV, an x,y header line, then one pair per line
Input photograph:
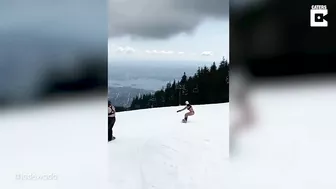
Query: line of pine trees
x,y
208,85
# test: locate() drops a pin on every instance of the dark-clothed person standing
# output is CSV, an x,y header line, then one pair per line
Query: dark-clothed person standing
x,y
111,120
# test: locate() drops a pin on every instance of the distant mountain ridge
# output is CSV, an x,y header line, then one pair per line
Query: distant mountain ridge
x,y
123,96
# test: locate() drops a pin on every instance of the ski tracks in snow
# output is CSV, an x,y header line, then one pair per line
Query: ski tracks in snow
x,y
168,154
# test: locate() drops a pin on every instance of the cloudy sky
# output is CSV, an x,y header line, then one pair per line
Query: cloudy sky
x,y
168,29
78,20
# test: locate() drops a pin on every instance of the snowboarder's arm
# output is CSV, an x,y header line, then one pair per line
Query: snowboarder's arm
x,y
182,109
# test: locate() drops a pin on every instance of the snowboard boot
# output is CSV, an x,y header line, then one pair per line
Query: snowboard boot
x,y
113,138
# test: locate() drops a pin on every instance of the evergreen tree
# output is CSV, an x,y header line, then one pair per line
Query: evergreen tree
x,y
184,79
207,85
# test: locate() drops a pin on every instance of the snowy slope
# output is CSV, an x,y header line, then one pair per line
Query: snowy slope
x,y
293,143
59,145
154,149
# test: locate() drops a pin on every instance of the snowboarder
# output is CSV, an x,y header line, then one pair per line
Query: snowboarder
x,y
190,113
111,121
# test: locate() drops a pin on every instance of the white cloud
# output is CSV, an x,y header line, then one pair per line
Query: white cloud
x,y
125,50
207,53
152,52
149,52
114,48
167,52
159,52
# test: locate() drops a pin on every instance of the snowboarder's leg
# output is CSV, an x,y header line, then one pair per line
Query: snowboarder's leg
x,y
109,130
187,115
112,124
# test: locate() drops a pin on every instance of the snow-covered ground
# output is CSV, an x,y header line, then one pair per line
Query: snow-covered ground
x,y
154,149
64,145
59,145
293,143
